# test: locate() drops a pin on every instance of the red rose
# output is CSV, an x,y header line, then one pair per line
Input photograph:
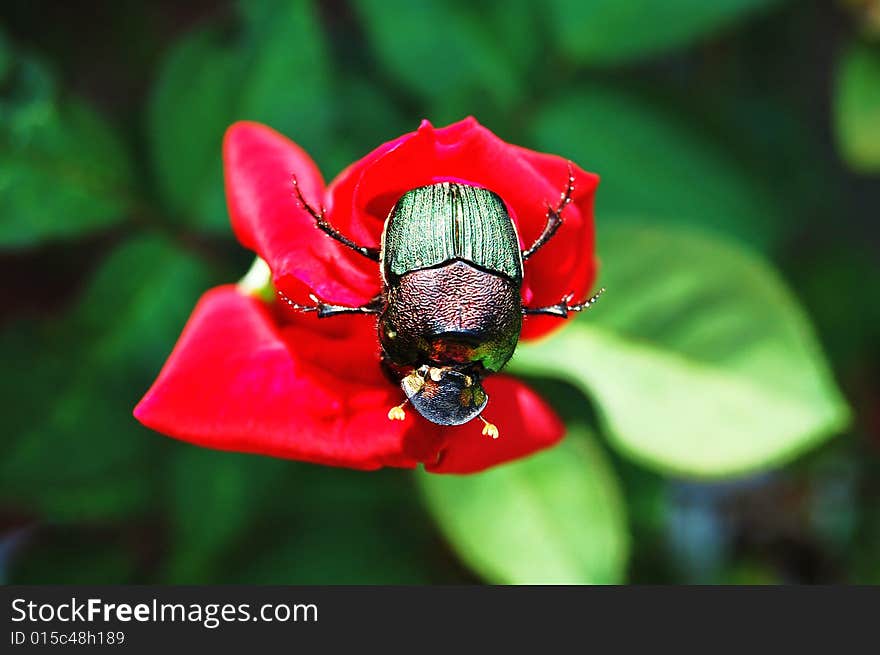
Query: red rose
x,y
259,377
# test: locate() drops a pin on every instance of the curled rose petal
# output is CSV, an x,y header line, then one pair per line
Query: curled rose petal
x,y
235,381
260,165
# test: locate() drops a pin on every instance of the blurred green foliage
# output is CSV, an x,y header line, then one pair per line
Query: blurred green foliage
x,y
74,453
715,127
858,107
606,31
58,156
274,69
475,43
670,158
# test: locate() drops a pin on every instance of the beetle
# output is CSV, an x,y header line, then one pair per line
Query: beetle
x,y
450,310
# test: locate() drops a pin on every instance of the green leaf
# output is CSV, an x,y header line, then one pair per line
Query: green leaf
x,y
698,358
451,55
74,451
653,163
63,171
555,517
610,31
274,71
857,107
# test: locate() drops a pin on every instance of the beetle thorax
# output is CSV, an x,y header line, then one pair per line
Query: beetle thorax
x,y
454,314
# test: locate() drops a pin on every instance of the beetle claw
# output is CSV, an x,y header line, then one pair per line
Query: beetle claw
x,y
564,306
587,303
565,196
489,429
296,306
396,413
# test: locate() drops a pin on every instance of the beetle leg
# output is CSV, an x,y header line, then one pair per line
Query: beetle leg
x,y
554,217
562,308
322,224
324,310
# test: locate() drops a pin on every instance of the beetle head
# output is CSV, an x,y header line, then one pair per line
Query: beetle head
x,y
445,395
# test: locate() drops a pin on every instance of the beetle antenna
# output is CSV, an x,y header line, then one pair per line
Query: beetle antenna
x,y
396,413
489,429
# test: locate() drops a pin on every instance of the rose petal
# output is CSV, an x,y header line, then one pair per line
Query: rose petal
x,y
235,381
362,195
259,167
526,424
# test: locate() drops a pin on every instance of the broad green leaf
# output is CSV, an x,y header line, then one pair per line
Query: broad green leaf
x,y
452,55
63,171
273,71
654,163
857,107
75,451
611,31
553,518
698,358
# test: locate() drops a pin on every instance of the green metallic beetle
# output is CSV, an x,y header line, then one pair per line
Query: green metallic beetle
x,y
450,311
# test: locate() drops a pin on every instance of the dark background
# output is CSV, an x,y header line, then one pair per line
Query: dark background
x,y
94,297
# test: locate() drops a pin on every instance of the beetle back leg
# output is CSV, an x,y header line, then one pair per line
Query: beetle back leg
x,y
563,307
325,310
554,217
322,224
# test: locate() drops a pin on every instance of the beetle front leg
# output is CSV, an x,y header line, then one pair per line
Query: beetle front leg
x,y
554,217
325,227
325,310
562,308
